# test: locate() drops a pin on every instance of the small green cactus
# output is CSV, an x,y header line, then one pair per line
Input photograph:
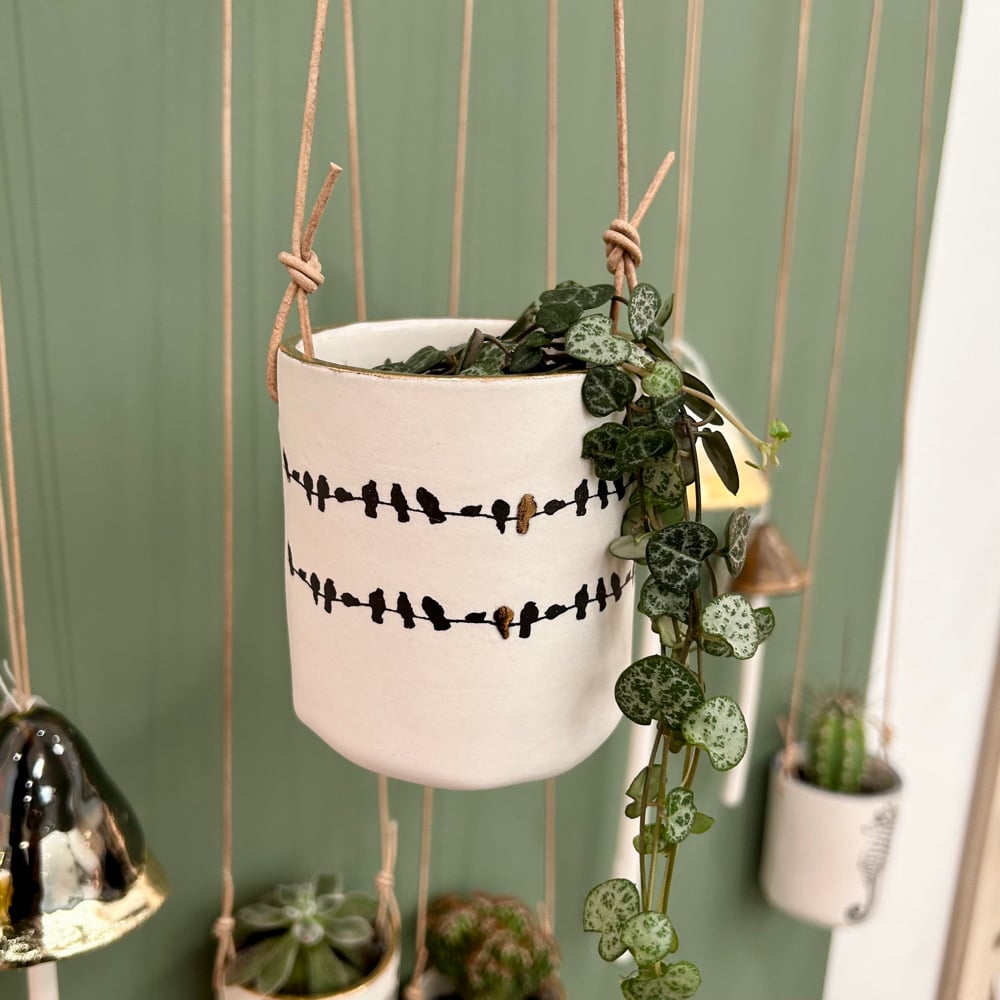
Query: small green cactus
x,y
492,947
836,743
311,939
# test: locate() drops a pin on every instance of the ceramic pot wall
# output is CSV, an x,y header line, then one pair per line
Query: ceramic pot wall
x,y
438,633
824,852
382,984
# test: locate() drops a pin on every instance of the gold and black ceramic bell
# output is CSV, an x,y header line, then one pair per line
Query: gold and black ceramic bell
x,y
75,872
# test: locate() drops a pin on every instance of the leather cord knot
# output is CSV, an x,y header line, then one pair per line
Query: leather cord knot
x,y
621,245
305,274
223,927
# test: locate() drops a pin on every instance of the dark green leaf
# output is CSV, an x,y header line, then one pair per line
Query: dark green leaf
x,y
702,823
675,555
602,442
596,295
522,324
657,687
424,359
525,359
666,311
607,389
537,338
641,445
556,317
635,789
721,456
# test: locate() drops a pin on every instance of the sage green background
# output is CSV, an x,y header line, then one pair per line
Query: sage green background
x,y
109,254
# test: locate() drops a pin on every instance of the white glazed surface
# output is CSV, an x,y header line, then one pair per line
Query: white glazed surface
x,y
462,707
383,985
824,852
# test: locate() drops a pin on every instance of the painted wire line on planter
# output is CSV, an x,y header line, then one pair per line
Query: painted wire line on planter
x,y
833,385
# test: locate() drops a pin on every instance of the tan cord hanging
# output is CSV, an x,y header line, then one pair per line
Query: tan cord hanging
x,y
685,186
225,924
916,290
415,987
833,386
304,269
351,90
458,209
788,226
10,539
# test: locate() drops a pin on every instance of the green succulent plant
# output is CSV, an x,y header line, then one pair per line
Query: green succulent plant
x,y
661,427
308,939
835,743
491,947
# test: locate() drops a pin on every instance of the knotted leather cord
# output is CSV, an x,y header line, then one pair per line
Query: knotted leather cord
x,y
788,227
621,238
304,269
685,186
10,541
916,291
225,924
833,386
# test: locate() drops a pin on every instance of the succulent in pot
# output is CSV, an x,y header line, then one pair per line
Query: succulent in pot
x,y
491,948
831,812
310,939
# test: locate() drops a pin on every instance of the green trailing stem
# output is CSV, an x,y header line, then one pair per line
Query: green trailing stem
x,y
836,755
659,430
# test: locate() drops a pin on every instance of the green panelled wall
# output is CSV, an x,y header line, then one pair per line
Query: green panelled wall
x,y
109,255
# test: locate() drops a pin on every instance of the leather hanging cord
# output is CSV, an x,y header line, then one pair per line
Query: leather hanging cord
x,y
10,542
685,186
916,291
621,238
788,227
387,919
461,145
225,924
415,987
351,90
552,148
304,269
833,386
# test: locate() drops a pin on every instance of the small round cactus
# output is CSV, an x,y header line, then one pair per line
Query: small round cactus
x,y
492,947
836,743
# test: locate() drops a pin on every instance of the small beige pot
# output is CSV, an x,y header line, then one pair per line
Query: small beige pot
x,y
382,983
824,852
454,616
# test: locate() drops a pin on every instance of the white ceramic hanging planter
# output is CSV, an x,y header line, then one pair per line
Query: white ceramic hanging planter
x,y
454,616
824,852
382,983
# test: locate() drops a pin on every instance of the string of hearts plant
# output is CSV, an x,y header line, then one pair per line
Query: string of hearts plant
x,y
660,412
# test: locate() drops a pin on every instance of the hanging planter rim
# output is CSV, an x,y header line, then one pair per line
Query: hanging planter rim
x,y
892,784
388,955
290,347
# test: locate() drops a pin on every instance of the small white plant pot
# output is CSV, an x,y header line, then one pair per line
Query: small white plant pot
x,y
382,983
408,542
824,852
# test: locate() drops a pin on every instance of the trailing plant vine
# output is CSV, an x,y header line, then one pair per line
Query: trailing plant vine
x,y
660,413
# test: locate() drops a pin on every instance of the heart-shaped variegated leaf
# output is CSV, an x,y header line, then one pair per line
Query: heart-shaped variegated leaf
x,y
657,687
592,339
607,389
664,479
555,317
629,546
635,790
665,381
737,532
764,617
730,618
649,936
642,445
680,814
606,910
655,601
600,445
677,981
675,554
652,840
642,310
718,727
